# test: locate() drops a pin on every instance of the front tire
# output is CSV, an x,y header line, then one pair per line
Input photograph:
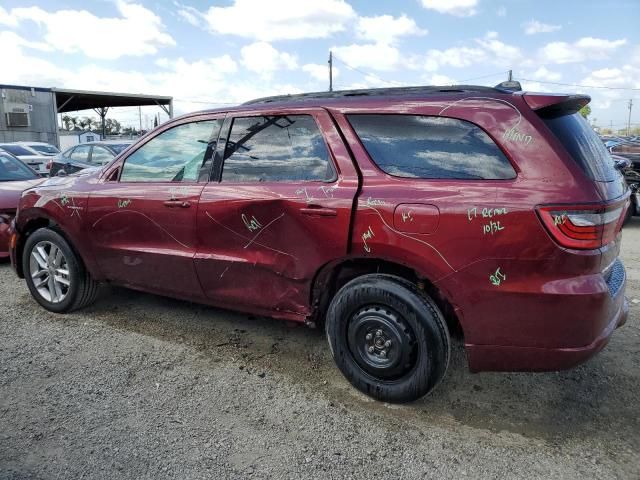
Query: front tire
x,y
388,338
55,274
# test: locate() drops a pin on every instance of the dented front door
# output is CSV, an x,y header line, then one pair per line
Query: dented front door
x,y
275,216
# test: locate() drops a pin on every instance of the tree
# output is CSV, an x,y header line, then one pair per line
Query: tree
x,y
66,122
585,111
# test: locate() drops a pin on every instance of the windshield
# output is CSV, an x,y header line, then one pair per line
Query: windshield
x,y
12,169
119,147
45,149
582,143
16,150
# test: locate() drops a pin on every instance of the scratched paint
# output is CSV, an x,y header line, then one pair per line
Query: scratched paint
x,y
368,235
252,223
497,277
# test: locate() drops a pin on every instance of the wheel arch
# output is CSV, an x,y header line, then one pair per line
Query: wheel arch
x,y
332,276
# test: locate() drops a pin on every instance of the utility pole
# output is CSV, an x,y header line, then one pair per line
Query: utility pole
x,y
330,71
140,118
629,120
510,75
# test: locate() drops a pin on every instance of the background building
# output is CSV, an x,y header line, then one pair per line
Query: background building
x,y
30,113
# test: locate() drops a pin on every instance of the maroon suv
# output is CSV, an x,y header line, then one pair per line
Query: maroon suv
x,y
392,217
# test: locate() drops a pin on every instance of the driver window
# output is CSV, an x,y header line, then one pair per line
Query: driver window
x,y
180,154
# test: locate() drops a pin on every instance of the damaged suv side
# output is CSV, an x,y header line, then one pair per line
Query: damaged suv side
x,y
390,217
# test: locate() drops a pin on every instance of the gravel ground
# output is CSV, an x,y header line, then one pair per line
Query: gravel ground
x,y
139,386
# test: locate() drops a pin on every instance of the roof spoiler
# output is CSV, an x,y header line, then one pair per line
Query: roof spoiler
x,y
555,105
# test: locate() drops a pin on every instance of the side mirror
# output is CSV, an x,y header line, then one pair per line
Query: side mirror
x,y
61,173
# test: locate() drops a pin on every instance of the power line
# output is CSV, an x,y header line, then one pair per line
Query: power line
x,y
580,86
482,76
366,74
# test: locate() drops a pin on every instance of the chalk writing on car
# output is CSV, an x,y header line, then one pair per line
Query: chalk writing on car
x,y
64,199
497,277
328,191
514,135
252,223
368,235
302,191
559,219
492,227
372,202
486,212
124,203
407,217
176,192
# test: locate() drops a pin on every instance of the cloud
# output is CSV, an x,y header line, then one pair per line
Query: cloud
x,y
386,29
586,48
546,75
280,19
190,15
534,26
459,8
372,56
320,72
137,32
7,19
263,58
488,49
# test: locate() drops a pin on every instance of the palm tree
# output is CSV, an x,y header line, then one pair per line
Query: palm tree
x,y
66,122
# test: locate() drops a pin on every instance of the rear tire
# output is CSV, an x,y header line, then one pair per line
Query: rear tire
x,y
55,273
388,338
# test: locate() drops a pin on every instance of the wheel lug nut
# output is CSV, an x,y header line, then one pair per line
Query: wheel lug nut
x,y
369,336
371,349
387,343
383,353
378,333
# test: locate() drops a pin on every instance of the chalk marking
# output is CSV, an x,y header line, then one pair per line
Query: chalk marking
x,y
225,271
497,278
145,216
263,229
412,238
368,235
252,224
247,238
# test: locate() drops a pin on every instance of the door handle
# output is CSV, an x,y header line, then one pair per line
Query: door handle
x,y
318,211
177,204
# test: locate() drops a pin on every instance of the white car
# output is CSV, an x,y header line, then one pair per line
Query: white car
x,y
40,148
38,162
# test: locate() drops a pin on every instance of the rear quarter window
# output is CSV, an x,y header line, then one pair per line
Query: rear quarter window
x,y
417,146
583,145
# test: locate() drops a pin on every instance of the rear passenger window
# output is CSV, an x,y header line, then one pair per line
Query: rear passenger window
x,y
431,147
276,149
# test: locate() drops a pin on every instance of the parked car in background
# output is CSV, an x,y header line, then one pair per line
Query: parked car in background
x,y
40,148
15,177
85,155
390,217
37,162
628,150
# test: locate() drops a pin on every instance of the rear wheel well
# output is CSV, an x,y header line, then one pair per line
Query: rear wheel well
x,y
331,278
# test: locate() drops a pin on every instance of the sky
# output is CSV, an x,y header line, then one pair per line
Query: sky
x,y
219,52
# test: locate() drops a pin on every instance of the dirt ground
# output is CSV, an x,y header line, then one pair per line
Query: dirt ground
x,y
143,387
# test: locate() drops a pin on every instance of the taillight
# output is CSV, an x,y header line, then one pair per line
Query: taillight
x,y
583,227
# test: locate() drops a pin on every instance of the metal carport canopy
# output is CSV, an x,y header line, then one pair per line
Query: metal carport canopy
x,y
71,100
67,100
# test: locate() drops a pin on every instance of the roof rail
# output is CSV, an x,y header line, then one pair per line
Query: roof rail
x,y
376,92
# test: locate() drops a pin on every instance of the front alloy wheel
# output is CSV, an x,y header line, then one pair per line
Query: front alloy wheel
x,y
49,271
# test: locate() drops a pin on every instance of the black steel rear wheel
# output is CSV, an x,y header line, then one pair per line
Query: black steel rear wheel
x,y
388,339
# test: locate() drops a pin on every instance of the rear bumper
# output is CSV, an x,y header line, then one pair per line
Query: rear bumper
x,y
507,358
